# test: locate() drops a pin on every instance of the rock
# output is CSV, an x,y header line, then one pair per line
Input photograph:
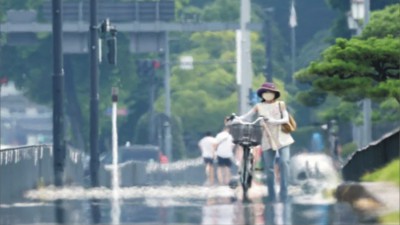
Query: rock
x,y
375,198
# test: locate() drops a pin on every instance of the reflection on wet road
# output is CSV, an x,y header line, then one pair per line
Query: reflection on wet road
x,y
173,194
167,204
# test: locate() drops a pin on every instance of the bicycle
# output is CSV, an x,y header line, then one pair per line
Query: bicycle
x,y
247,135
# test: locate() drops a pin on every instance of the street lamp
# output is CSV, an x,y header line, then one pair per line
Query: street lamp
x,y
351,22
360,12
356,15
358,9
167,86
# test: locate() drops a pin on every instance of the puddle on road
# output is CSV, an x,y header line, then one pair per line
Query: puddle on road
x,y
189,204
166,205
175,192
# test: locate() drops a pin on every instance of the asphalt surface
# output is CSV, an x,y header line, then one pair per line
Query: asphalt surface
x,y
165,205
175,194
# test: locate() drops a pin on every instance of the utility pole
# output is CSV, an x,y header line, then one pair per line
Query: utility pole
x,y
94,96
58,94
167,125
58,105
360,10
293,24
268,45
367,102
152,78
154,66
244,70
94,108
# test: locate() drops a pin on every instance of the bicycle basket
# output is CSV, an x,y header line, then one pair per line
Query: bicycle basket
x,y
250,134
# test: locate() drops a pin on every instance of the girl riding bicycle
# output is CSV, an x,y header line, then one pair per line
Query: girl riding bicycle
x,y
274,140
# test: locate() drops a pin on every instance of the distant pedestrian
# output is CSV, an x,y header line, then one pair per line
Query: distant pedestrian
x,y
162,158
317,142
224,146
207,147
336,150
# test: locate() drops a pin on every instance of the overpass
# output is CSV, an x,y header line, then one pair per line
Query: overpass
x,y
145,23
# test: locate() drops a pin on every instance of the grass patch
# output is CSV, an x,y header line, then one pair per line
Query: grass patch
x,y
390,173
391,218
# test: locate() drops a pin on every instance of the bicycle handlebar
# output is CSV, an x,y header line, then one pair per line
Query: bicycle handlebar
x,y
234,118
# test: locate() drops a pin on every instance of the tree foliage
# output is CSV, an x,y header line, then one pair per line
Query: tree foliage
x,y
340,27
202,97
362,67
353,68
383,23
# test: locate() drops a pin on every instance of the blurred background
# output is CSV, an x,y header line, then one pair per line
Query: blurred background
x,y
317,93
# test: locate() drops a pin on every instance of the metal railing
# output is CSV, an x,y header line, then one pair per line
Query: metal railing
x,y
117,11
29,167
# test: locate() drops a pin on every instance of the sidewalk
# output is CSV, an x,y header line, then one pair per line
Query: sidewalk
x,y
370,198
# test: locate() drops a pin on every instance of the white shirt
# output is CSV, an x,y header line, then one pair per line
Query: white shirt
x,y
225,144
206,145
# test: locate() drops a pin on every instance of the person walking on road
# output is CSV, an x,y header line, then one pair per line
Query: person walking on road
x,y
224,146
207,147
317,142
274,140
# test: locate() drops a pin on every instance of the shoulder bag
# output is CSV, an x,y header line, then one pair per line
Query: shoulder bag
x,y
291,125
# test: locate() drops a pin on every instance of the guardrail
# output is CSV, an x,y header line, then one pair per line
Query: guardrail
x,y
134,173
29,167
374,156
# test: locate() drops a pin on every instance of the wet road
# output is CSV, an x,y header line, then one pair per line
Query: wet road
x,y
151,193
188,204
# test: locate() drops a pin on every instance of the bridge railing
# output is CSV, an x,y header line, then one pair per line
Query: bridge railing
x,y
117,11
29,167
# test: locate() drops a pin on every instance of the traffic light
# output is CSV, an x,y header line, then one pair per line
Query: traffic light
x,y
112,50
156,64
142,67
138,67
147,67
105,28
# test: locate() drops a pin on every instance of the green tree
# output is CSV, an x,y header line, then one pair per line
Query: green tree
x,y
340,26
355,69
203,96
383,23
222,10
366,66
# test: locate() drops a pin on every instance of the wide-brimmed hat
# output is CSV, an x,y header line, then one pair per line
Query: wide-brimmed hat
x,y
267,86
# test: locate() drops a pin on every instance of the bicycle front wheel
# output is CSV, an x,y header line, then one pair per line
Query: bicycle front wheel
x,y
246,172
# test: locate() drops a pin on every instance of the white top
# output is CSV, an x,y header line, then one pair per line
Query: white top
x,y
224,144
206,145
273,136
